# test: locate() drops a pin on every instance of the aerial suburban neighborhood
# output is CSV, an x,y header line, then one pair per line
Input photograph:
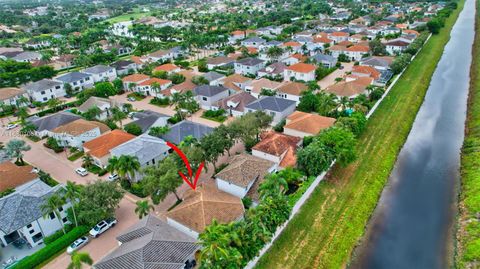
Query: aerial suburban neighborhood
x,y
232,134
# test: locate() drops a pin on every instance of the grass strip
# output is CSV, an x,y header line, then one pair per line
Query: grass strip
x,y
329,225
468,235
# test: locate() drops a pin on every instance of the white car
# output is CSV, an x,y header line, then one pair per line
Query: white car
x,y
77,244
102,226
81,171
112,177
11,126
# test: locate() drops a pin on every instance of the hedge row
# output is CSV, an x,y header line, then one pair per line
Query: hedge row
x,y
51,249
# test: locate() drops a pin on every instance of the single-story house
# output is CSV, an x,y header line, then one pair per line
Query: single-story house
x,y
274,70
242,173
151,243
201,206
168,67
378,62
350,89
303,124
104,104
76,133
253,41
235,104
278,148
148,119
46,124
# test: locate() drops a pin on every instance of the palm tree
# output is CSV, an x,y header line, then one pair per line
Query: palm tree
x,y
273,185
87,161
53,103
53,203
143,208
72,193
127,166
112,164
78,259
274,52
214,241
22,113
118,115
15,149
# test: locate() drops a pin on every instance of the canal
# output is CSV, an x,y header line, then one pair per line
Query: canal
x,y
412,226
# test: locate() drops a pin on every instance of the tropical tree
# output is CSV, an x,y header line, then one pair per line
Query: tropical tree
x,y
274,52
273,185
118,115
15,149
143,208
162,179
87,161
127,166
158,130
52,205
72,193
53,103
78,259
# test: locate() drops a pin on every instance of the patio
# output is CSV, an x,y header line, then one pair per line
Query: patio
x,y
10,251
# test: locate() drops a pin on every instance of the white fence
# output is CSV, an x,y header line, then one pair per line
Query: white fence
x,y
317,180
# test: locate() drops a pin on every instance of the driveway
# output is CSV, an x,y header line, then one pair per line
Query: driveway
x,y
339,73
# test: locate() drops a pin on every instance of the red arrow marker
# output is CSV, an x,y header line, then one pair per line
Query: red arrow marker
x,y
192,182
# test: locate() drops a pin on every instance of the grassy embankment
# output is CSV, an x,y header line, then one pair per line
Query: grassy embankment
x,y
325,232
468,244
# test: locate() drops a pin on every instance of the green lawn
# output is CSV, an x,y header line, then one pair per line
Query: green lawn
x,y
329,225
127,17
468,246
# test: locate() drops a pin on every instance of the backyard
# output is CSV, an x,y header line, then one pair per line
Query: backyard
x,y
325,231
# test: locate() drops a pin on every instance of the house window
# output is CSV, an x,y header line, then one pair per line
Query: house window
x,y
65,220
29,225
37,237
75,83
204,98
45,98
31,231
52,215
153,161
60,209
57,87
42,92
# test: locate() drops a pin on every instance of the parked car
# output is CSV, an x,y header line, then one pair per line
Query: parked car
x,y
131,99
81,171
102,226
77,244
11,126
112,177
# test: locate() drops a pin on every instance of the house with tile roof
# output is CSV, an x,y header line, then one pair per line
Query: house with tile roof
x,y
151,242
255,87
235,104
396,46
207,95
168,67
365,71
76,133
248,66
300,71
243,172
378,62
147,87
203,205
274,70
148,149
293,46
11,96
277,108
100,147
101,73
104,104
13,176
357,52
183,87
291,90
338,36
235,82
179,131
301,124
350,89
21,215
44,90
131,81
278,148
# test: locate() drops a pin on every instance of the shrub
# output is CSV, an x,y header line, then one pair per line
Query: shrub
x,y
52,238
174,119
75,156
133,129
7,192
51,249
216,115
47,179
160,101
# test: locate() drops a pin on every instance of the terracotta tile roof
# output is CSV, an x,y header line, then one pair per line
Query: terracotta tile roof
x,y
135,78
338,47
345,43
201,206
411,32
339,34
350,88
80,126
7,93
302,68
365,69
263,83
291,44
166,67
308,123
252,50
136,59
241,99
183,87
230,81
300,57
276,144
292,87
358,48
102,145
322,39
243,169
12,176
149,82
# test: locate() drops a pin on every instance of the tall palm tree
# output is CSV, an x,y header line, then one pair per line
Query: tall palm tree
x,y
127,166
52,205
72,191
274,185
78,259
143,208
214,241
87,161
118,115
112,164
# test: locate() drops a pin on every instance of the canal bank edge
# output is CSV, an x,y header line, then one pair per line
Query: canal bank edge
x,y
329,225
468,233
